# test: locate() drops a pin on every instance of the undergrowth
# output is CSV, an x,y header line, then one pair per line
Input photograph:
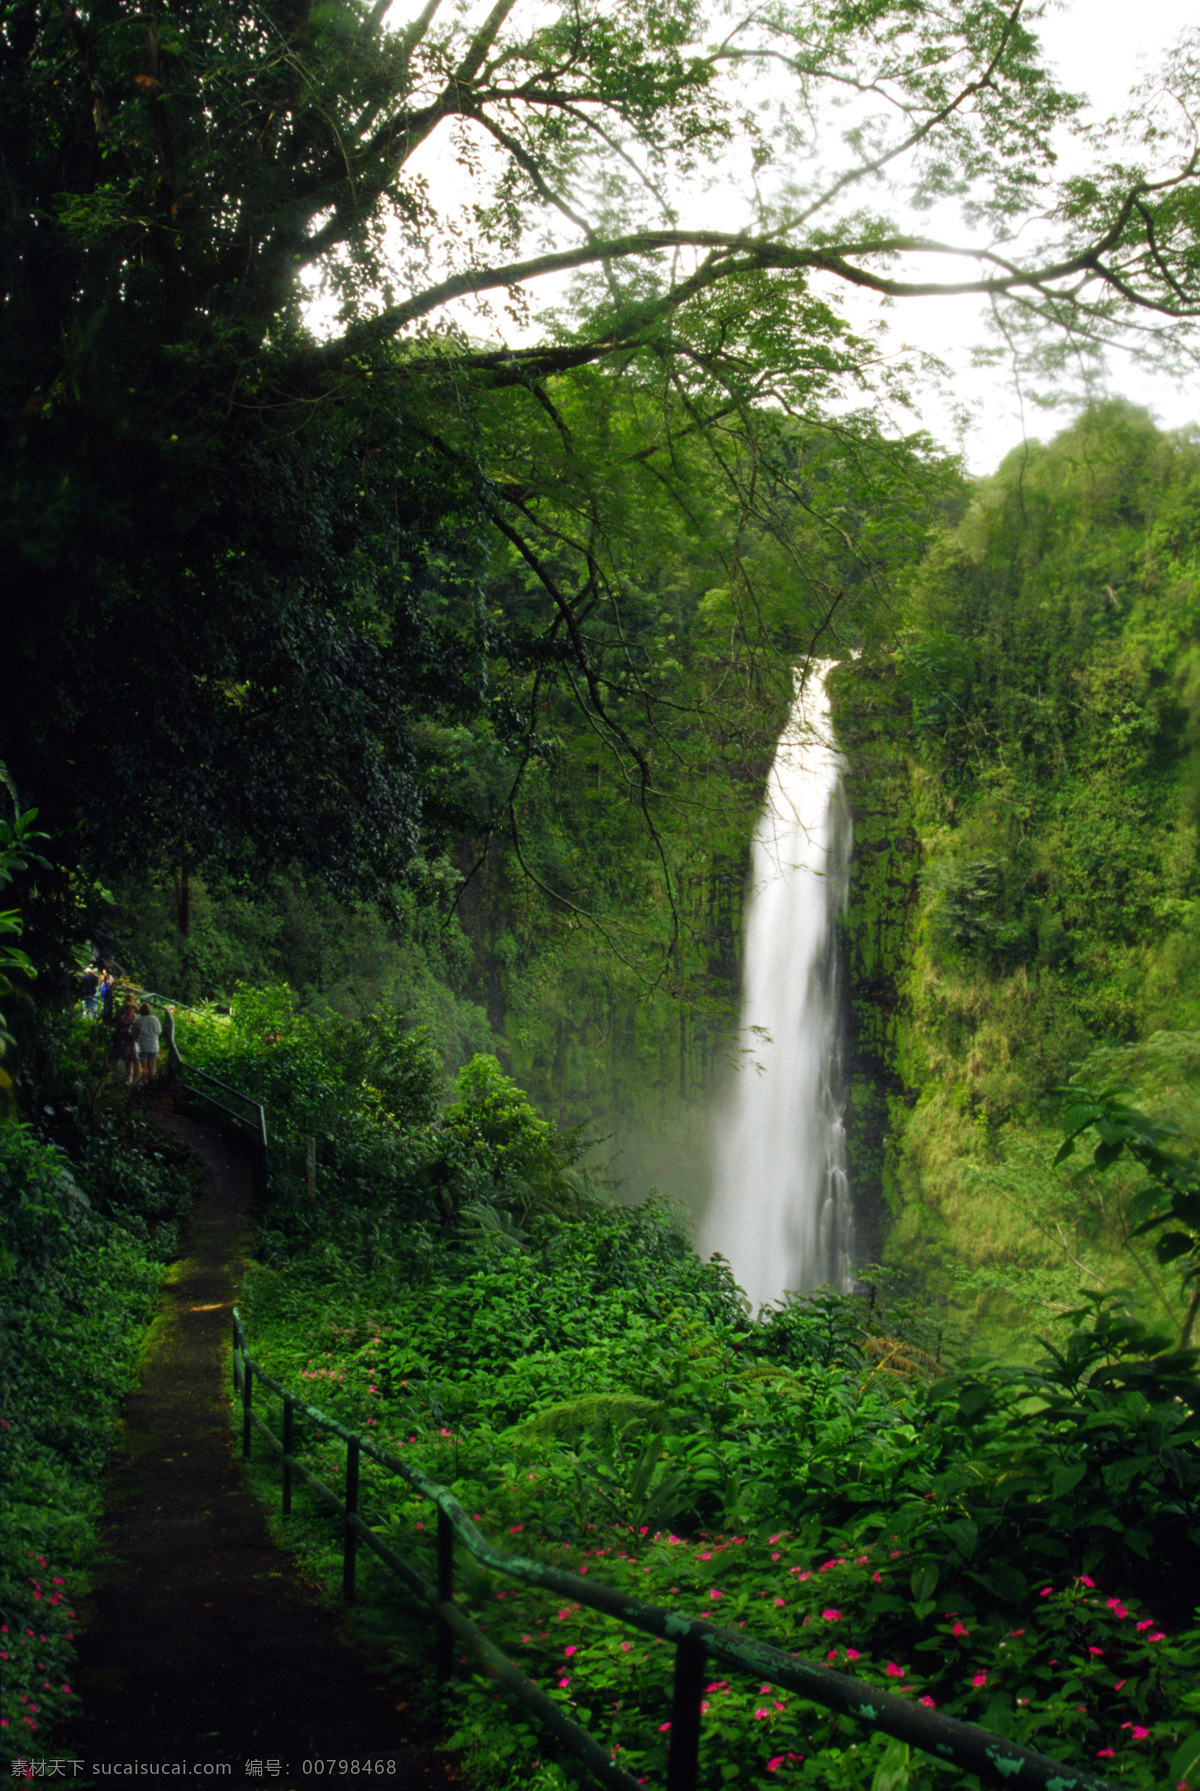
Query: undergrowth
x,y
87,1225
971,1539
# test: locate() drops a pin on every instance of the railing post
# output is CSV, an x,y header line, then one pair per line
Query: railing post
x,y
350,1544
247,1396
264,1156
287,1451
445,1582
684,1752
237,1344
174,1064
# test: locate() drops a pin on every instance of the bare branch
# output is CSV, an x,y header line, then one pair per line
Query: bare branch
x,y
482,42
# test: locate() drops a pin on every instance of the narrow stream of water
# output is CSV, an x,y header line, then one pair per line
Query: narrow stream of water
x,y
781,1212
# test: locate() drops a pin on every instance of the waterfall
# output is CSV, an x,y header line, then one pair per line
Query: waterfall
x,y
781,1212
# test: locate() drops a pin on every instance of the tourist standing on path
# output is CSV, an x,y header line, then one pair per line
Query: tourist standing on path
x,y
146,1030
89,982
125,1051
107,983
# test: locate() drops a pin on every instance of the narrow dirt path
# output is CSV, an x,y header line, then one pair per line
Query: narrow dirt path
x,y
202,1656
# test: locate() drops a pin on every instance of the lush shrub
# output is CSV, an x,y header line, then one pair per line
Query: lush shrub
x,y
994,1540
1017,1544
76,1291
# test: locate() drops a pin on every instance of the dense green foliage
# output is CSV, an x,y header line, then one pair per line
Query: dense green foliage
x,y
1019,1544
438,678
593,944
86,1226
949,1536
283,598
16,837
1024,741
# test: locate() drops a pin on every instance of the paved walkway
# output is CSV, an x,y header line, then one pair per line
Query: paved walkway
x,y
201,1650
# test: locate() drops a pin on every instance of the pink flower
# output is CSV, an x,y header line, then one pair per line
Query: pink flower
x,y
832,1616
1095,1651
779,1601
1045,1591
852,1654
774,1764
1160,1637
1083,1580
1115,1605
1140,1734
1105,1753
662,1727
760,1713
960,1629
893,1671
1146,1623
570,1650
979,1679
927,1700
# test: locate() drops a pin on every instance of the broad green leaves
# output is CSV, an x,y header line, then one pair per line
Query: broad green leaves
x,y
1174,1193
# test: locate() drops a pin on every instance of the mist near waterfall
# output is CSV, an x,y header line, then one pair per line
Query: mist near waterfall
x,y
781,1212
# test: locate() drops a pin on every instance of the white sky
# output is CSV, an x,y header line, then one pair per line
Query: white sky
x,y
1098,47
1101,48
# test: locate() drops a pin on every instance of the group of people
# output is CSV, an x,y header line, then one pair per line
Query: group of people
x,y
135,1029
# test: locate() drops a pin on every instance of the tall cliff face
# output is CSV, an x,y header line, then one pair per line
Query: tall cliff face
x,y
1025,894
877,939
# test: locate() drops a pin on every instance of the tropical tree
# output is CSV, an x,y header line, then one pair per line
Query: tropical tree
x,y
251,557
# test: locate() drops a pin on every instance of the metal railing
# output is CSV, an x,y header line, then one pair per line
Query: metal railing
x,y
252,1119
991,1758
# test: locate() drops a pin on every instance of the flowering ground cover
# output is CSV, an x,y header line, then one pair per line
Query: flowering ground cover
x,y
891,1565
1018,1543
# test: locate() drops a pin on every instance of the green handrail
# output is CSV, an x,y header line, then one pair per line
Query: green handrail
x,y
254,1122
994,1760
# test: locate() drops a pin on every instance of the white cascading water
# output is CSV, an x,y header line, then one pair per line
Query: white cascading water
x,y
781,1213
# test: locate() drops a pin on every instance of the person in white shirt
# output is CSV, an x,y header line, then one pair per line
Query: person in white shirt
x,y
146,1029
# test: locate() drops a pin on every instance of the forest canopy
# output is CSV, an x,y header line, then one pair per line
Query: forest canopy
x,y
275,588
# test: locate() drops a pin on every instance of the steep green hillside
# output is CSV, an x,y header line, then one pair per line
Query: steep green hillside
x,y
582,917
1026,781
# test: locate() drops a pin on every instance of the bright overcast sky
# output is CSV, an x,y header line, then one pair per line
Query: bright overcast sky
x,y
1098,47
1101,48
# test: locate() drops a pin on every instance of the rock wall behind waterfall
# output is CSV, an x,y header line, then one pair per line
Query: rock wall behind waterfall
x,y
877,940
1025,894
